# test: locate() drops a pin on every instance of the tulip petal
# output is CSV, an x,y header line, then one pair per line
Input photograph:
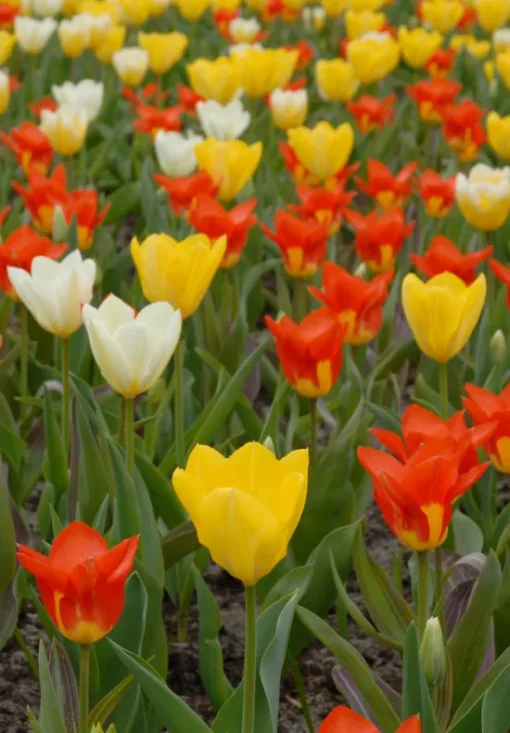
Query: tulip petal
x,y
113,313
109,358
77,542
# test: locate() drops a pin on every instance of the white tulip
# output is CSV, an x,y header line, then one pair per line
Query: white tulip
x,y
242,30
132,350
501,40
87,94
55,292
131,64
313,18
240,48
176,153
32,35
46,8
223,122
484,182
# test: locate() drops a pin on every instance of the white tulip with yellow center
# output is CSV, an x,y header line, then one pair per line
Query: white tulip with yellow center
x,y
244,30
131,65
66,128
46,8
176,153
54,292
86,94
314,18
32,35
223,122
5,90
288,108
501,40
132,350
484,196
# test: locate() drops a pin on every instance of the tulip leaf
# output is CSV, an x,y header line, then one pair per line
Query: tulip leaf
x,y
8,615
477,692
64,681
415,693
352,661
58,472
178,543
123,202
163,497
210,655
496,705
172,711
12,447
96,476
468,642
468,535
105,707
296,580
50,717
8,542
126,515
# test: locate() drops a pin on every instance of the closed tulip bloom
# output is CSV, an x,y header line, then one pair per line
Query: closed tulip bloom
x,y
191,9
443,312
245,508
82,582
223,122
219,79
136,12
418,45
289,108
379,237
301,242
177,272
111,42
159,7
131,65
5,91
74,37
132,349
7,43
32,35
264,70
434,97
314,18
310,352
244,30
322,150
463,128
342,719
86,94
357,24
359,6
54,292
498,134
488,409
438,194
373,56
336,80
30,146
334,8
484,196
164,49
355,302
19,250
372,113
503,67
388,190
230,163
442,15
46,8
478,49
176,153
501,40
492,14
443,256
183,191
66,129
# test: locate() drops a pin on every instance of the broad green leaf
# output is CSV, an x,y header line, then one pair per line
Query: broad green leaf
x,y
12,447
96,472
163,497
468,535
8,539
126,516
50,717
178,543
478,690
296,580
496,705
123,201
58,472
415,693
8,615
64,681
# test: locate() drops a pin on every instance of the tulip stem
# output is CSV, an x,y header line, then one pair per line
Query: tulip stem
x,y
250,661
84,687
130,435
24,359
443,389
180,445
423,591
313,431
66,395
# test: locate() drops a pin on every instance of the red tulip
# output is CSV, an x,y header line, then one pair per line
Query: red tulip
x,y
42,195
19,249
438,194
443,256
388,190
372,113
310,352
209,217
433,96
30,146
379,237
152,119
306,53
42,104
355,302
222,18
463,129
188,98
502,273
83,204
325,205
149,93
441,62
487,408
302,243
82,582
184,190
7,15
343,720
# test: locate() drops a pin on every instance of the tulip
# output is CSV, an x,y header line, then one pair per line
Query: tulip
x,y
463,129
152,120
87,94
314,18
379,237
442,15
176,153
310,352
418,45
74,37
503,67
433,653
478,49
55,292
498,134
19,250
322,150
136,12
183,191
358,24
360,6
489,410
342,719
46,8
243,30
301,242
438,194
334,8
503,274
246,507
443,312
164,49
443,256
7,43
66,129
230,164
441,62
191,9
264,70
434,97
372,113
81,581
32,35
42,196
30,146
289,108
131,65
5,92
219,79
82,205
223,122
209,217
356,303
177,272
484,196
492,14
336,80
388,190
374,56
500,40
159,7
324,205
110,43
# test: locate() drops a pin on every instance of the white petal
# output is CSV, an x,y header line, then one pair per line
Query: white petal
x,y
109,358
113,313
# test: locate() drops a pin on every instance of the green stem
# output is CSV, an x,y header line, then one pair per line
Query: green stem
x,y
179,405
84,687
122,422
250,661
24,358
20,639
443,389
66,394
423,590
184,605
130,435
300,300
300,688
438,557
313,431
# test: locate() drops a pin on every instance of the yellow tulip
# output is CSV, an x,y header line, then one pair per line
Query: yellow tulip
x,y
484,196
336,80
358,24
498,134
264,70
418,45
492,14
478,49
100,8
219,79
288,108
5,93
361,5
373,57
503,67
7,42
501,40
245,508
131,65
322,150
230,163
191,9
489,69
230,5
178,273
136,12
66,128
111,42
164,49
334,8
443,312
74,37
442,15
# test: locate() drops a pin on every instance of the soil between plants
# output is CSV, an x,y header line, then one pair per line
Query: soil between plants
x,y
19,689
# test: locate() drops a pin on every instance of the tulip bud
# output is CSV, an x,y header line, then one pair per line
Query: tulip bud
x,y
60,227
498,346
432,653
268,443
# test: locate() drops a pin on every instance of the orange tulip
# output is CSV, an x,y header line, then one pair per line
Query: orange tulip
x,y
443,256
324,205
152,119
388,190
438,194
503,274
372,113
19,249
302,243
433,96
30,146
344,720
379,237
463,129
182,191
488,409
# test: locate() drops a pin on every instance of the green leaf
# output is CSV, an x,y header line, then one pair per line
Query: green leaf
x,y
126,515
96,472
210,655
8,539
12,447
496,705
8,615
105,707
163,497
172,711
352,661
64,681
415,693
468,643
178,543
477,692
58,472
296,580
123,201
468,535
50,717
